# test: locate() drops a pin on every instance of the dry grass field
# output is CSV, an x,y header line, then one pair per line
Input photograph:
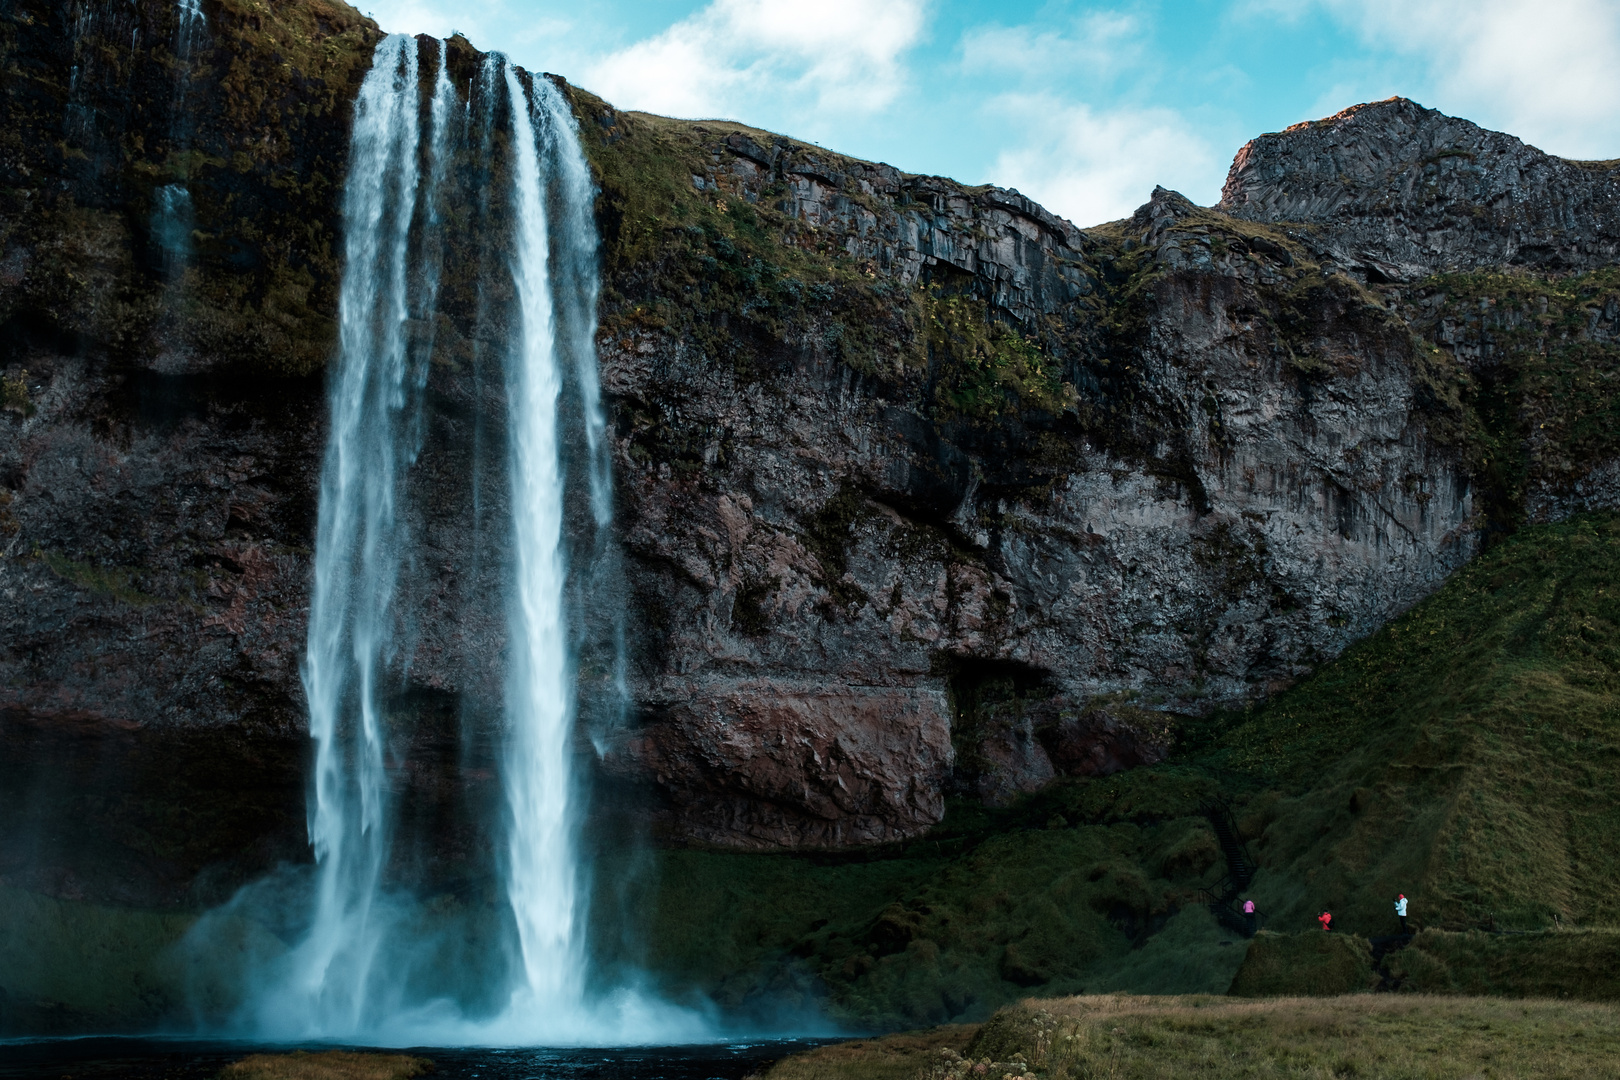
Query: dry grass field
x,y
1118,1037
327,1065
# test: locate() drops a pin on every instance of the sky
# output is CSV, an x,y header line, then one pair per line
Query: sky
x,y
1082,106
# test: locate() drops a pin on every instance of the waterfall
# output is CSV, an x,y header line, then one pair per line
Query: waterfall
x,y
357,556
574,246
539,704
371,962
173,217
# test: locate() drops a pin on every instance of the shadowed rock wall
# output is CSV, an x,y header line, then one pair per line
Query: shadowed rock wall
x,y
1170,461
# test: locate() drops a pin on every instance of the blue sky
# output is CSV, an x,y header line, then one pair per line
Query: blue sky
x,y
1083,106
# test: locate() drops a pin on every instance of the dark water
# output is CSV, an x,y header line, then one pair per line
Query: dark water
x,y
167,1059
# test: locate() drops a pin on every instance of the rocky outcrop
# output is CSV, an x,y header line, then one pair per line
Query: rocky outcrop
x,y
810,764
1205,506
1400,192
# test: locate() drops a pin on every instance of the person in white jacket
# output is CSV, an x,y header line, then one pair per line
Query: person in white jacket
x,y
1400,911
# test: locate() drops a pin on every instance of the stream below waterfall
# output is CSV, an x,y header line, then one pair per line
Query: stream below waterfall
x,y
106,1058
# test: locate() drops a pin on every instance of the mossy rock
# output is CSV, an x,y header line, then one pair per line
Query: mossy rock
x,y
1312,964
1576,964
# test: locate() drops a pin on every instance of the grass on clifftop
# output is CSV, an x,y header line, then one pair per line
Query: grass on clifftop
x,y
1467,755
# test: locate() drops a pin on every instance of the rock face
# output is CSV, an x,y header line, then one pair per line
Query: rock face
x,y
1402,192
922,491
1214,506
799,764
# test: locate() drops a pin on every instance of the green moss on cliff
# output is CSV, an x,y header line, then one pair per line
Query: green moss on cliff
x,y
1539,390
702,247
132,585
261,148
988,368
736,278
14,395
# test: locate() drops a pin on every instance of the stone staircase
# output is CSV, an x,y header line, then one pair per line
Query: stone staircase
x,y
1240,869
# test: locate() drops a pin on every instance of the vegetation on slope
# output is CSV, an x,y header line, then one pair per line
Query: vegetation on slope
x,y
1360,1035
1465,755
1534,361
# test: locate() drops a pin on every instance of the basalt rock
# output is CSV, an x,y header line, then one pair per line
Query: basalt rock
x,y
921,489
1231,474
807,764
1399,192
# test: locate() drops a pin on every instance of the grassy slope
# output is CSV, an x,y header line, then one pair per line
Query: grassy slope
x,y
1358,1035
1465,755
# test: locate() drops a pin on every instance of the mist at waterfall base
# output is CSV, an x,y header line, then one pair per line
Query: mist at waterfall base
x,y
452,181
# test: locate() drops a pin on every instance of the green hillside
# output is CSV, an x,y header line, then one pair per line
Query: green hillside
x,y
1467,755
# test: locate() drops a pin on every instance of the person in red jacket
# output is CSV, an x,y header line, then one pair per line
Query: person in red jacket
x,y
1326,919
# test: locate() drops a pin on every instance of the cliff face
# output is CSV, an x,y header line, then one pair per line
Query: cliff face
x,y
171,245
922,490
1085,480
1401,192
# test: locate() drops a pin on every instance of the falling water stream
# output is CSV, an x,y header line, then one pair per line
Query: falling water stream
x,y
539,707
368,965
173,216
358,549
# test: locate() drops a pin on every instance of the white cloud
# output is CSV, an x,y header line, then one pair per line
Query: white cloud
x,y
738,58
1092,165
436,17
1102,44
1547,71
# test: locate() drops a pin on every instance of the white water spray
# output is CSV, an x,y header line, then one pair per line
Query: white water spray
x,y
327,980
